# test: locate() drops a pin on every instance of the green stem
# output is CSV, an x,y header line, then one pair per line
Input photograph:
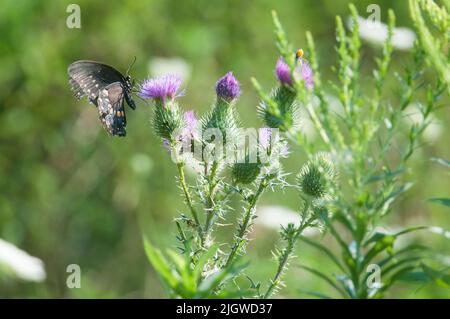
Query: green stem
x,y
246,222
186,192
210,212
275,282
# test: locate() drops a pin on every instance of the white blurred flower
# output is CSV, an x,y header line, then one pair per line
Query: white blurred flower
x,y
21,263
377,33
274,216
159,66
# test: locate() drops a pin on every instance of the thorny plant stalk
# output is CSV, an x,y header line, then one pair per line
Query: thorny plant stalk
x,y
244,226
287,252
185,188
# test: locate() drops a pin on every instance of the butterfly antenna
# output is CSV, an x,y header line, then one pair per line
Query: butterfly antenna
x,y
131,65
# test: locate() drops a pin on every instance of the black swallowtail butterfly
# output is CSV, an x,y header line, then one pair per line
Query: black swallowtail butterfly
x,y
106,88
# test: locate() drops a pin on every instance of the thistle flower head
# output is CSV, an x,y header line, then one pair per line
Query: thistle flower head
x,y
317,177
283,72
160,88
302,70
227,87
307,74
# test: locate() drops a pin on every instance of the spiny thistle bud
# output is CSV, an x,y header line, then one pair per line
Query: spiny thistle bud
x,y
163,90
285,113
223,116
227,87
167,121
317,178
245,172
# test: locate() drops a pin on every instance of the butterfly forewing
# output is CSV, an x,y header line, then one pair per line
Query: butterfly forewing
x,y
111,110
87,78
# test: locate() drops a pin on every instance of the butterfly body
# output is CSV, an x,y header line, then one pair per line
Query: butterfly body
x,y
106,88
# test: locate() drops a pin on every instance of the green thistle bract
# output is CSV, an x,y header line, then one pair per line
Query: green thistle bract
x,y
317,177
245,173
167,120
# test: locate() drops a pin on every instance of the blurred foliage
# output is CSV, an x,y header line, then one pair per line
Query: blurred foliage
x,y
71,194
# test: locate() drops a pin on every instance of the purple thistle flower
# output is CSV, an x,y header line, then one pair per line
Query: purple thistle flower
x,y
307,75
283,73
227,87
160,88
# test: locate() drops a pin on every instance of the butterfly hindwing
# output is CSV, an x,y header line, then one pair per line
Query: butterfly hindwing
x,y
111,109
87,78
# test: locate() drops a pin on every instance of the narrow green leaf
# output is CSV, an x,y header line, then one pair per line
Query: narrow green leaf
x,y
183,268
325,278
399,275
401,252
314,294
207,286
325,250
402,262
203,260
160,264
442,201
441,278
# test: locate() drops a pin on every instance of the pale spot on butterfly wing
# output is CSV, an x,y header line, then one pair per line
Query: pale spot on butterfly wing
x,y
111,111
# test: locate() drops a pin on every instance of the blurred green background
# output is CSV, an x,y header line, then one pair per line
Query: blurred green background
x,y
72,195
